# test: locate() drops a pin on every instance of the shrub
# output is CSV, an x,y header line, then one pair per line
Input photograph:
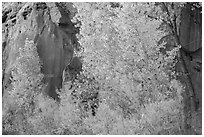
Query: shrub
x,y
26,85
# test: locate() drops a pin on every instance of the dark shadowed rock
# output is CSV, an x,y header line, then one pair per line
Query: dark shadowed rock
x,y
74,68
191,39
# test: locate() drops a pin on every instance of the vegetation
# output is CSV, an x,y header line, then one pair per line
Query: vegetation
x,y
26,86
137,93
127,86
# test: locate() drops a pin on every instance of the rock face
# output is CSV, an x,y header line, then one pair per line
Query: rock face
x,y
190,36
74,68
191,39
50,27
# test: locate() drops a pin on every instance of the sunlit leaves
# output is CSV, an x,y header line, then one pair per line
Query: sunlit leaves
x,y
26,73
26,85
121,51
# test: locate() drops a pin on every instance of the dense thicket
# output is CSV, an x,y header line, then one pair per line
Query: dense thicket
x,y
126,85
121,52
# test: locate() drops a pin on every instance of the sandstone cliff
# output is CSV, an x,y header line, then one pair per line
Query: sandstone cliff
x,y
50,27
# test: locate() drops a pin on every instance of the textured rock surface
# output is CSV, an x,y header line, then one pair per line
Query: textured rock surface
x,y
190,36
50,27
191,39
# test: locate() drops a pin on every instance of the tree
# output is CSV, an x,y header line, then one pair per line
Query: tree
x,y
126,87
26,86
121,52
170,14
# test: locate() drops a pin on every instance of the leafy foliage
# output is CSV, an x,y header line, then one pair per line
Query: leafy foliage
x,y
26,85
121,52
126,86
26,74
